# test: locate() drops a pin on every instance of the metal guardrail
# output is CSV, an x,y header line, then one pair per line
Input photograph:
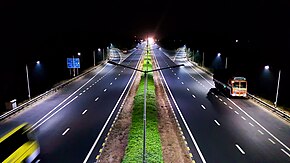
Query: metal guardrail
x,y
41,96
274,109
279,112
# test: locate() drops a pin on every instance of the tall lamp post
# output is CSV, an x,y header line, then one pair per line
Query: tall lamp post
x,y
103,57
94,57
27,79
278,84
145,92
275,103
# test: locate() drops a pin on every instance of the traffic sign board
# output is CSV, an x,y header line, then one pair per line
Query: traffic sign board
x,y
73,63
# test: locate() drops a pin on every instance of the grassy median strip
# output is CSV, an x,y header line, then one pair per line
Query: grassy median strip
x,y
134,150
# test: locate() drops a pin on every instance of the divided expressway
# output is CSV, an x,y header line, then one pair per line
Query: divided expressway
x,y
72,124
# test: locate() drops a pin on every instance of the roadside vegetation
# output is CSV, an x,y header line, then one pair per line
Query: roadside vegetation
x,y
134,149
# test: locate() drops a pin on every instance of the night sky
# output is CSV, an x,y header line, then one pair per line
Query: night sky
x,y
51,31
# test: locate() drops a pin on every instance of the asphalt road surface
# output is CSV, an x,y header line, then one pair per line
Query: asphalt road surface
x,y
218,128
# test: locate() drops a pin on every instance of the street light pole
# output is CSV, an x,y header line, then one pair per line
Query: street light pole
x,y
103,54
275,103
94,56
202,59
27,78
226,64
144,118
145,92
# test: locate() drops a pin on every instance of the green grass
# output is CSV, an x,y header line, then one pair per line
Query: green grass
x,y
134,149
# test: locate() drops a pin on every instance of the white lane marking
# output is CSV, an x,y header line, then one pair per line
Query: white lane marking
x,y
240,149
217,122
65,131
271,141
105,90
35,126
111,83
251,124
84,91
285,152
97,99
230,107
187,89
243,118
178,78
106,123
80,94
193,96
174,73
249,116
202,77
203,107
260,125
84,112
220,99
225,103
183,120
182,83
119,74
216,96
236,112
260,132
115,78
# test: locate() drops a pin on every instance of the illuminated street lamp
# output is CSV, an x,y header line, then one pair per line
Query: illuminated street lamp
x,y
99,49
27,78
267,67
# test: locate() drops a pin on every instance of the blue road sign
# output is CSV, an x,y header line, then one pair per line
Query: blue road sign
x,y
76,63
73,63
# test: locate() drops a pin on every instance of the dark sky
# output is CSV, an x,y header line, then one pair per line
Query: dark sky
x,y
48,29
38,20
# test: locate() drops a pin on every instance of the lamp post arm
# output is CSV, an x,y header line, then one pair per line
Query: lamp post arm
x,y
117,64
166,68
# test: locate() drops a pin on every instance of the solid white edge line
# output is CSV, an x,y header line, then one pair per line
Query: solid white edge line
x,y
36,126
66,99
248,115
106,123
259,125
191,135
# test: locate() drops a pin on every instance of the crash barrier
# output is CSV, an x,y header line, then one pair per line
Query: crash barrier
x,y
279,112
43,95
